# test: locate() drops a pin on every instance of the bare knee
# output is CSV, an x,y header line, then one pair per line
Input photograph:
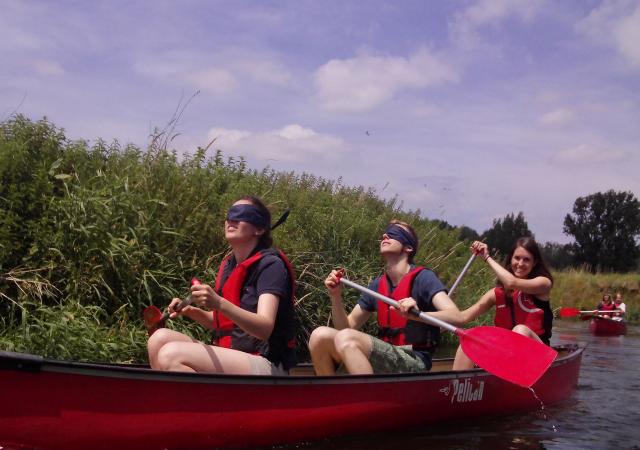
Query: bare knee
x,y
522,329
158,339
348,339
170,356
321,337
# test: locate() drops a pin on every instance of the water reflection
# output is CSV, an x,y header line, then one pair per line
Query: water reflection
x,y
603,413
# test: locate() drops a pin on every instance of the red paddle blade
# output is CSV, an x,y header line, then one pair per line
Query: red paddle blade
x,y
506,354
569,312
152,318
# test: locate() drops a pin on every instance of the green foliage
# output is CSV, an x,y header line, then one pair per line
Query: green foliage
x,y
558,256
505,232
102,231
578,288
606,228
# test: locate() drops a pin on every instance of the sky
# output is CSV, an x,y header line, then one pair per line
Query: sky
x,y
465,110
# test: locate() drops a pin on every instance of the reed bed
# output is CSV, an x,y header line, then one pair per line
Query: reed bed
x,y
92,234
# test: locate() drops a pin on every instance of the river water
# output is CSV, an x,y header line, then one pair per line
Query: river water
x,y
603,413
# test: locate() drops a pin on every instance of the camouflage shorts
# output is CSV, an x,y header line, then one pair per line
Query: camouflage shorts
x,y
388,358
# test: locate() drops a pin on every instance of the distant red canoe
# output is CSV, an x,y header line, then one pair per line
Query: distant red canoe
x,y
49,404
604,326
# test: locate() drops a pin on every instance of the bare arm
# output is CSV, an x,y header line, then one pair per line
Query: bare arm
x,y
339,317
204,318
538,286
486,302
259,324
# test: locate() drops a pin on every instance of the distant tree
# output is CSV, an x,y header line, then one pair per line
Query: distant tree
x,y
606,227
468,234
558,256
443,224
504,232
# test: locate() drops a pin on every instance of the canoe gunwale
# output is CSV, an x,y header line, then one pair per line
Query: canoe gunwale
x,y
34,363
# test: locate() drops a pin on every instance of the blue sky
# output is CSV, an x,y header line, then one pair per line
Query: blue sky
x,y
466,110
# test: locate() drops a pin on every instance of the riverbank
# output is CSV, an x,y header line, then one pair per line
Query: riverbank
x,y
583,290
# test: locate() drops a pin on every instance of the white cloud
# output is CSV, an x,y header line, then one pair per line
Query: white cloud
x,y
558,116
48,68
627,35
585,154
464,28
212,80
232,70
292,143
364,82
615,23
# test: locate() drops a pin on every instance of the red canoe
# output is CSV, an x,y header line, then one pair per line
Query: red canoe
x,y
51,404
604,326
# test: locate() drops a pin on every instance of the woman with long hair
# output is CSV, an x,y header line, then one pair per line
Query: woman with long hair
x,y
250,309
521,296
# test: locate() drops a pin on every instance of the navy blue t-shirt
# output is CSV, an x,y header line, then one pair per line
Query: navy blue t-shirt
x,y
267,276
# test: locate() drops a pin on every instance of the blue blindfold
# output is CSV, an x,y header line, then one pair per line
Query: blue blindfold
x,y
401,235
250,214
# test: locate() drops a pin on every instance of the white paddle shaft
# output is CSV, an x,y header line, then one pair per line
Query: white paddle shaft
x,y
389,301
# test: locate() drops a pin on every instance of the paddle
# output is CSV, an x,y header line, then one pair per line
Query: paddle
x,y
573,312
154,318
507,355
462,274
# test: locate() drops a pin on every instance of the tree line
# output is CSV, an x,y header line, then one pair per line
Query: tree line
x,y
605,228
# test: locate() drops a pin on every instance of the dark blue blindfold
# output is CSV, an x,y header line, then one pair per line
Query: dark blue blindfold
x,y
250,214
401,235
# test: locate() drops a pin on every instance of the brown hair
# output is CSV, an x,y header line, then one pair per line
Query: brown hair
x,y
265,240
413,234
539,267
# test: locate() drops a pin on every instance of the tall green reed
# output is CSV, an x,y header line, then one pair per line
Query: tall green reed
x,y
110,229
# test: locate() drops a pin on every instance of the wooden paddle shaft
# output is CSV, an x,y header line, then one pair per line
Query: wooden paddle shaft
x,y
421,315
462,274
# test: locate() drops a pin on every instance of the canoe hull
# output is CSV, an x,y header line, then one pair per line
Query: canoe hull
x,y
603,326
79,406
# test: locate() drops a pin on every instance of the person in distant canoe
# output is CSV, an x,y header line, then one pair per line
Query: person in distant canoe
x,y
621,308
250,310
521,296
403,345
607,305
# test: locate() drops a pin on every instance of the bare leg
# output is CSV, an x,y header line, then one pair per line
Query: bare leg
x,y
323,351
161,337
354,348
526,331
183,356
462,361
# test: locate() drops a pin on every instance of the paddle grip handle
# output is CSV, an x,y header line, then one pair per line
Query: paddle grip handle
x,y
186,302
389,301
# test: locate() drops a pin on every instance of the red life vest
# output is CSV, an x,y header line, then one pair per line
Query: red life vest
x,y
392,325
232,291
523,309
610,307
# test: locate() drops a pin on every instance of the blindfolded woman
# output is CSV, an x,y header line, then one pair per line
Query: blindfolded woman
x,y
249,310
